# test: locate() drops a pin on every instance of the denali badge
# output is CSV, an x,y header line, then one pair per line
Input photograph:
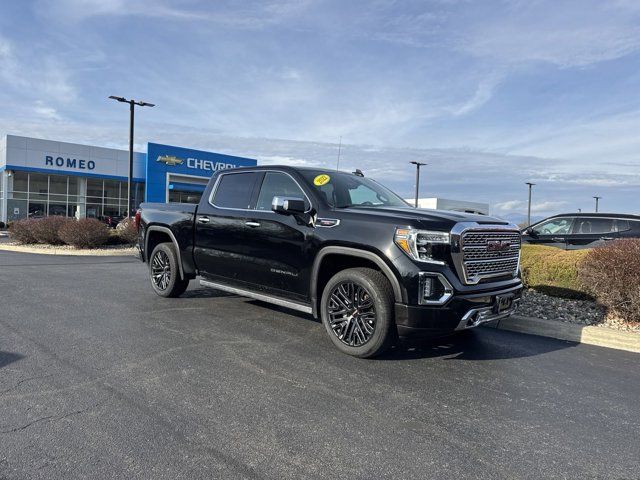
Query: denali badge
x,y
498,245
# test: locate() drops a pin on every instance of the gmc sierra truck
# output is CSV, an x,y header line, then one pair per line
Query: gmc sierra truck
x,y
338,246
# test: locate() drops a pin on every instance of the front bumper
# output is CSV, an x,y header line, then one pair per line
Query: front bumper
x,y
461,312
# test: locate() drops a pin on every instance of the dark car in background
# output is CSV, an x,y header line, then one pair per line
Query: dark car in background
x,y
112,221
572,231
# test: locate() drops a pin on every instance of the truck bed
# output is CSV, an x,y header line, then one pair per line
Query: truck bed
x,y
174,219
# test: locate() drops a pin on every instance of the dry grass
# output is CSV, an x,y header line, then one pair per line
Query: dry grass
x,y
553,271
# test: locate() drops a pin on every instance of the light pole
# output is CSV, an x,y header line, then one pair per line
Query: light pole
x,y
418,165
529,206
597,200
132,104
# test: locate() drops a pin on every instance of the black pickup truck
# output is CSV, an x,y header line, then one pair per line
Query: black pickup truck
x,y
338,246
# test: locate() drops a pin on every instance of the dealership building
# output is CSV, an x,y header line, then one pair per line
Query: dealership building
x,y
45,177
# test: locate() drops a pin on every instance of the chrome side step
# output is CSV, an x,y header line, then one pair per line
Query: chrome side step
x,y
301,307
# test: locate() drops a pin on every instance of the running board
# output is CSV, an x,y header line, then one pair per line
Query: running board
x,y
301,307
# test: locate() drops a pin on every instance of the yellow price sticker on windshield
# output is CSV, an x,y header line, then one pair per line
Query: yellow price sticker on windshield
x,y
321,180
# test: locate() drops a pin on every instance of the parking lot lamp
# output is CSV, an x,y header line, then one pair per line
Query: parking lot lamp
x,y
132,103
529,206
418,165
597,200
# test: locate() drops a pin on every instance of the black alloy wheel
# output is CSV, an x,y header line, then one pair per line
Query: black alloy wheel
x,y
164,271
357,311
161,270
352,314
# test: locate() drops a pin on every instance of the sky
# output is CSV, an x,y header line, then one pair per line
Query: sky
x,y
491,94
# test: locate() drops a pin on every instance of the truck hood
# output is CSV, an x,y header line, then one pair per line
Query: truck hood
x,y
424,217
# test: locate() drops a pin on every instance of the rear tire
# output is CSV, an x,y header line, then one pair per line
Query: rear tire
x,y
164,271
357,312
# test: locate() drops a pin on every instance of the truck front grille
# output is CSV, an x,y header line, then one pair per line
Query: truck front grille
x,y
489,254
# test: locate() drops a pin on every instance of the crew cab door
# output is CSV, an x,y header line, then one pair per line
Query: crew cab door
x,y
277,244
590,232
220,227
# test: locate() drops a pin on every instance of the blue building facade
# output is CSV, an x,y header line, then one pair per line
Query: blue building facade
x,y
44,177
178,174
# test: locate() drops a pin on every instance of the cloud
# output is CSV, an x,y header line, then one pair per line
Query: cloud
x,y
511,206
24,82
561,33
490,94
249,14
483,93
44,111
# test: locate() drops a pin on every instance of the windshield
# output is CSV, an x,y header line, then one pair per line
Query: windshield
x,y
343,190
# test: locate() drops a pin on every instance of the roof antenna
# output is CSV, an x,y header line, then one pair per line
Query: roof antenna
x,y
339,150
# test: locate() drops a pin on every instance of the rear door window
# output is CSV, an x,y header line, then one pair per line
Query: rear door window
x,y
622,225
234,190
590,226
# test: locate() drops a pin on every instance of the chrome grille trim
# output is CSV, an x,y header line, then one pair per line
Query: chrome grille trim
x,y
474,262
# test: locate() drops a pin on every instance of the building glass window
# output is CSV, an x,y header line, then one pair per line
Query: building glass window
x,y
37,195
94,210
57,185
73,185
20,185
94,188
38,184
184,197
111,189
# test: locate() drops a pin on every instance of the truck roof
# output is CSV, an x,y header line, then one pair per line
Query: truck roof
x,y
292,168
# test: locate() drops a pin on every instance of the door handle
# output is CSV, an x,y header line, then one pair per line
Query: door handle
x,y
557,239
252,224
203,219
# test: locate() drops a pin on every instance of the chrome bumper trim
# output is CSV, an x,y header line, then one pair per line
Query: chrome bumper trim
x,y
478,316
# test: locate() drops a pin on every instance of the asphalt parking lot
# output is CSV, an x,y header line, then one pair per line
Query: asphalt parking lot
x,y
100,378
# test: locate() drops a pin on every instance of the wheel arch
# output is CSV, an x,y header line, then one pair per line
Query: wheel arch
x,y
355,258
156,234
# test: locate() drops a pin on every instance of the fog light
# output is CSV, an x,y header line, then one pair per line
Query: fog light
x,y
427,286
434,289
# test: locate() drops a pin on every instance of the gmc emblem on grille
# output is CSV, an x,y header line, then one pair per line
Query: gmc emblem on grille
x,y
498,245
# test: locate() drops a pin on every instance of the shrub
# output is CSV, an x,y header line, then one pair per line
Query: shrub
x,y
22,231
612,275
553,271
85,233
127,231
46,230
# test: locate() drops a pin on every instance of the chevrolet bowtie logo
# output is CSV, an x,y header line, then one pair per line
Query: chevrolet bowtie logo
x,y
170,160
498,245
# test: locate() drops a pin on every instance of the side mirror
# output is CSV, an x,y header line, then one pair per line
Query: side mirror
x,y
529,231
287,205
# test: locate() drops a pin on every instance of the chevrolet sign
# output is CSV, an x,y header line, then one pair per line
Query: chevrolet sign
x,y
170,160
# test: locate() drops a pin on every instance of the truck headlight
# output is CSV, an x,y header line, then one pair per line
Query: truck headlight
x,y
419,244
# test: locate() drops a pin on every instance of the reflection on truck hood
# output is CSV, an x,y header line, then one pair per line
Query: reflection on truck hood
x,y
417,214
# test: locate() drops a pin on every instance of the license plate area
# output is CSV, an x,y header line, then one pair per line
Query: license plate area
x,y
503,303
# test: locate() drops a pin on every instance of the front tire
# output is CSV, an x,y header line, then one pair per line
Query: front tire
x,y
357,312
164,271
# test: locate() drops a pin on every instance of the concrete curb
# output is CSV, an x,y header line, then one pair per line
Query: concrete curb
x,y
600,336
120,252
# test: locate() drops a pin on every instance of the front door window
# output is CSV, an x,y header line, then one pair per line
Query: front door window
x,y
555,226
